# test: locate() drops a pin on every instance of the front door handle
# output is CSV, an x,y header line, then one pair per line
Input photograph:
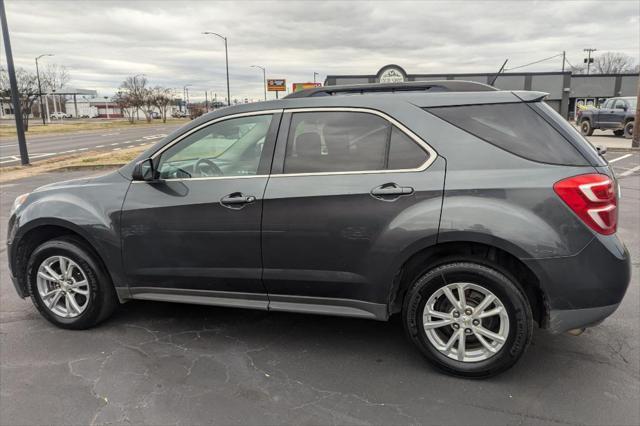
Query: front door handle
x,y
390,191
237,200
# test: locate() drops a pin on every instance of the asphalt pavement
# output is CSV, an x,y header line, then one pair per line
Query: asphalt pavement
x,y
56,144
161,363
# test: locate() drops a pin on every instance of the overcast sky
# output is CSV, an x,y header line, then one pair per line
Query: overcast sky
x,y
102,42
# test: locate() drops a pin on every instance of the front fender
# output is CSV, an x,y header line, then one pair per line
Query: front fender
x,y
90,208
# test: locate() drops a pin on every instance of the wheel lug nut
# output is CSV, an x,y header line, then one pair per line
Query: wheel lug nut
x,y
456,326
467,331
456,314
468,311
476,322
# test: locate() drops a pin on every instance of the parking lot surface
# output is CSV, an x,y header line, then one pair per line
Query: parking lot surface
x,y
161,363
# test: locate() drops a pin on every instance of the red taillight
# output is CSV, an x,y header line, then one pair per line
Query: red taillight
x,y
593,198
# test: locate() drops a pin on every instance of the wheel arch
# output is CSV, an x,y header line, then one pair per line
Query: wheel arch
x,y
492,255
39,231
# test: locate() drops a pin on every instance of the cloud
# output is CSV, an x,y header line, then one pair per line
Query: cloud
x,y
102,42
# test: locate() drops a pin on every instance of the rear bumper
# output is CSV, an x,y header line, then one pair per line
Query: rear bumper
x,y
584,289
568,319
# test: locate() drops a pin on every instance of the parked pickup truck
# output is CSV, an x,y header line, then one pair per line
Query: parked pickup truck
x,y
615,114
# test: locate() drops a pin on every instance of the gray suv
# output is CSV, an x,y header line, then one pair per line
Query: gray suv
x,y
471,212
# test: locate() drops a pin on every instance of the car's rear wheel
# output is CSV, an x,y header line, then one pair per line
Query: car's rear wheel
x,y
618,132
468,319
628,130
68,285
585,128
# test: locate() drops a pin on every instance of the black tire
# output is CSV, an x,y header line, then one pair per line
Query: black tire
x,y
628,130
102,298
585,128
505,288
618,132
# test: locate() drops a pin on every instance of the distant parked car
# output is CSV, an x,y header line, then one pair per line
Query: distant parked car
x,y
179,114
616,114
60,115
155,115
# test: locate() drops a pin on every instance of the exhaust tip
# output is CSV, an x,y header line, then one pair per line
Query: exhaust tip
x,y
576,331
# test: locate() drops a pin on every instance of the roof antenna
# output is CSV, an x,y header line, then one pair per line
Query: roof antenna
x,y
501,69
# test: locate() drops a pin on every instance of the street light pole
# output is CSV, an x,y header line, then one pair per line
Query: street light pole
x,y
40,88
13,83
226,55
264,79
314,76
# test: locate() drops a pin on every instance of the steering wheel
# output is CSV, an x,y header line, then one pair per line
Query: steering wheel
x,y
206,167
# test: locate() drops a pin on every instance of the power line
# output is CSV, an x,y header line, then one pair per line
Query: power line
x,y
533,63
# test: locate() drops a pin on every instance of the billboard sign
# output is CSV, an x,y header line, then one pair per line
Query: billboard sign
x,y
277,85
296,87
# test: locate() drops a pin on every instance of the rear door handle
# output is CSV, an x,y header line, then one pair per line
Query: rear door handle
x,y
390,191
236,200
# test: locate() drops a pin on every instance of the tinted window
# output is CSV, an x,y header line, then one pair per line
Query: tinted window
x,y
228,148
516,128
404,153
608,104
321,142
336,142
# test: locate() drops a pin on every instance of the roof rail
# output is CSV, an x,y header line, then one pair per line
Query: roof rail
x,y
413,86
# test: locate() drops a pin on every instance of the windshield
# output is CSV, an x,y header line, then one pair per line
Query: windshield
x,y
633,103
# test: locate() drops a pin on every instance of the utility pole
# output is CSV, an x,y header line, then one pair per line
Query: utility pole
x,y
206,101
588,60
314,76
564,55
44,123
15,96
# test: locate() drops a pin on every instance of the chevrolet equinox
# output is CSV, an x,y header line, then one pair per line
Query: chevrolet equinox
x,y
472,212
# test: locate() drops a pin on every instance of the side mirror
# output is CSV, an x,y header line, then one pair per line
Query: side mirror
x,y
144,171
602,150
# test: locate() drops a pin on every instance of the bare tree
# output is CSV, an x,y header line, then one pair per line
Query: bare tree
x,y
27,91
613,63
123,100
147,102
161,98
54,77
136,90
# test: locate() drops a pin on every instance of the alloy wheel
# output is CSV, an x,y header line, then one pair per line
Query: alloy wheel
x,y
466,322
63,286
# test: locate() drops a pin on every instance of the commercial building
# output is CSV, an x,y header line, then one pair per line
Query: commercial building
x,y
566,90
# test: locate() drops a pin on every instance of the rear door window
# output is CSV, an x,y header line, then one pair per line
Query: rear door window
x,y
325,142
516,128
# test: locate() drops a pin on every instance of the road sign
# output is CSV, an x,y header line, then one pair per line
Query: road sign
x,y
277,85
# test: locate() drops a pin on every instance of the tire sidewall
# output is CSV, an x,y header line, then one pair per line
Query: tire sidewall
x,y
514,300
89,268
628,129
585,128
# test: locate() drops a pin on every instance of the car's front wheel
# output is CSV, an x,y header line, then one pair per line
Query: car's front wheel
x,y
68,285
468,319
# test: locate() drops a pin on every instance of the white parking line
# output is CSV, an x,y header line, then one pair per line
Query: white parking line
x,y
99,146
630,171
114,144
620,158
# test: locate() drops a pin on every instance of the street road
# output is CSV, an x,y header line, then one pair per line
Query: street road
x,y
53,145
161,363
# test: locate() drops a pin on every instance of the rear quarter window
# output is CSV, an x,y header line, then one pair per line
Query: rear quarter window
x,y
516,128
